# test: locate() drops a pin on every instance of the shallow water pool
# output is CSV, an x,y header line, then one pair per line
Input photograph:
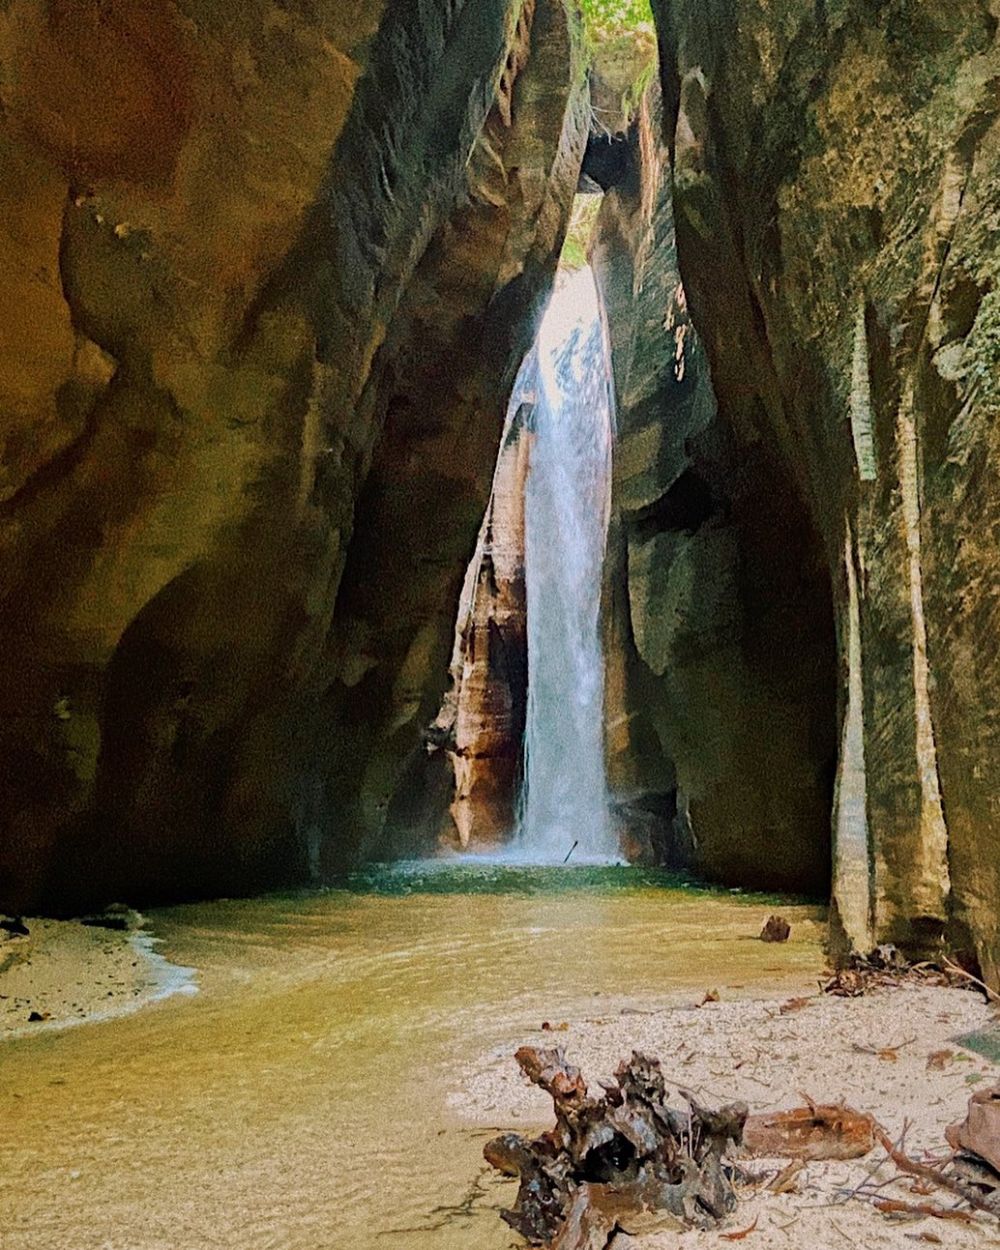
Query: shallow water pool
x,y
300,1100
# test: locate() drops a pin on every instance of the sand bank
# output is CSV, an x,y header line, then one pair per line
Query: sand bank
x,y
750,1050
64,972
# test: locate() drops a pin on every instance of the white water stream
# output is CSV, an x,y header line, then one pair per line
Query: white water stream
x,y
564,806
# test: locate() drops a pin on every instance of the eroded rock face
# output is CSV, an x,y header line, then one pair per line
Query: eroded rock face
x,y
720,693
836,174
264,266
482,719
460,333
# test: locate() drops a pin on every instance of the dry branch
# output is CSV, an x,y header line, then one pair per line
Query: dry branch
x,y
896,1206
954,970
932,1175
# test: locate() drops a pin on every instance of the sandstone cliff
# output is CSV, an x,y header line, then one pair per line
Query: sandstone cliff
x,y
268,271
720,692
836,168
482,719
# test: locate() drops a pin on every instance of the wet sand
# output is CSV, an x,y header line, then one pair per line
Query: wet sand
x,y
65,973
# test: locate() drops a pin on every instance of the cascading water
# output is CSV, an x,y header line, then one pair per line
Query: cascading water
x,y
564,805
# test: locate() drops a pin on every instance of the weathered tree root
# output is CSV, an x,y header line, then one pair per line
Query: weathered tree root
x,y
624,1162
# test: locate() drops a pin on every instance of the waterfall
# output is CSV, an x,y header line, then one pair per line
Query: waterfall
x,y
564,797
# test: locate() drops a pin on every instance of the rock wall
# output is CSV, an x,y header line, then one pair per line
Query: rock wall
x,y
447,370
720,698
267,269
482,720
836,169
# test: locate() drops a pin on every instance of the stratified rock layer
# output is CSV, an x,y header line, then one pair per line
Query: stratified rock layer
x,y
269,269
836,169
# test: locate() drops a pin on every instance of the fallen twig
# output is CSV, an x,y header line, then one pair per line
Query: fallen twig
x,y
784,1182
883,1052
913,1168
873,1169
740,1234
796,1004
958,971
869,1188
893,1206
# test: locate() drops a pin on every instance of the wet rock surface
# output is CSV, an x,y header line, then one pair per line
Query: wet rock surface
x,y
835,175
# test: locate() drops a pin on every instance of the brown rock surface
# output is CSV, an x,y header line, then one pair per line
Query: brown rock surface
x,y
254,288
268,273
483,715
719,635
836,170
444,376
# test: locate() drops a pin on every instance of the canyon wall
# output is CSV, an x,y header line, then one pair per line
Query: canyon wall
x,y
720,703
835,180
269,270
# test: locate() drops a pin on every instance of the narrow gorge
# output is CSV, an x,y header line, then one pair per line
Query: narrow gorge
x,y
491,492
271,275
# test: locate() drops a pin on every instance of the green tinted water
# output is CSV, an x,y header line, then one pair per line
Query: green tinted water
x,y
300,1101
472,874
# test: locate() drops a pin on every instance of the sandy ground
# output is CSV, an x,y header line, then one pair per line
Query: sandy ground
x,y
749,1050
65,973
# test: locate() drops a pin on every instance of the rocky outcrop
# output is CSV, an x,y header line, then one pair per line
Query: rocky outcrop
x,y
268,271
446,371
835,183
720,669
482,719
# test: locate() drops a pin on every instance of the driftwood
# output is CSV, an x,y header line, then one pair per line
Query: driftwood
x,y
625,1162
885,967
817,1131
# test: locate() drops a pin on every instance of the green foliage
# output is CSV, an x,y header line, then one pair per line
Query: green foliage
x,y
637,88
621,39
605,19
580,232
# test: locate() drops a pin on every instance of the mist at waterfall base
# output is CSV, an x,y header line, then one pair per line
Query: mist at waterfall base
x,y
563,811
